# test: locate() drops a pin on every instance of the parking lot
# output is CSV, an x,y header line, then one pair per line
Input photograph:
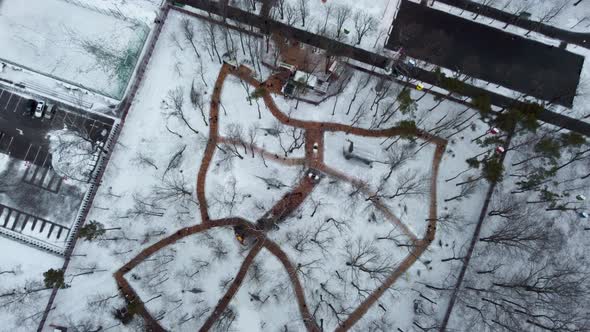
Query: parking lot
x,y
42,204
24,137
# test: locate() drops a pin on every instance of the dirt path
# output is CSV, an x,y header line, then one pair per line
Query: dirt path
x,y
314,154
211,143
287,204
233,288
420,247
367,191
130,294
308,320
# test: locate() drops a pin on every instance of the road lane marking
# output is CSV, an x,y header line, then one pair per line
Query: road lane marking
x,y
16,106
9,144
29,149
8,101
34,160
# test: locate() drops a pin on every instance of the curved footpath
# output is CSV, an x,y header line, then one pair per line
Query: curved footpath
x,y
314,133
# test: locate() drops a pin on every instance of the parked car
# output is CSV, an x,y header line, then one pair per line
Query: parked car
x,y
39,109
31,105
50,111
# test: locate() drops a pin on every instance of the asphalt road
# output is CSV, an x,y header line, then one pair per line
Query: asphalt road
x,y
546,72
578,38
24,137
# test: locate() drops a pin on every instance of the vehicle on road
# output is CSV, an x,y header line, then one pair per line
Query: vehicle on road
x,y
50,111
39,109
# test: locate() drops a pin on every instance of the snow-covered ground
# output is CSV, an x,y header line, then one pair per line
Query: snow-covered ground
x,y
72,43
21,273
156,148
158,153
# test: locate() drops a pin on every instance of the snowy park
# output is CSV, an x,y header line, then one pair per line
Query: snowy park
x,y
255,182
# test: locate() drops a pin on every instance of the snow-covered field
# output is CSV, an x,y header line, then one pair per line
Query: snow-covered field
x,y
71,43
21,274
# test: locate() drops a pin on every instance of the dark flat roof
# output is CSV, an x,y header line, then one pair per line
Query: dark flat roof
x,y
480,51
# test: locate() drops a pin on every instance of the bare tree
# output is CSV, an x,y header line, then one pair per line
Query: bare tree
x,y
188,31
342,15
174,187
295,139
327,13
363,256
175,103
197,101
211,33
303,7
466,190
363,24
528,233
145,160
290,14
409,183
235,135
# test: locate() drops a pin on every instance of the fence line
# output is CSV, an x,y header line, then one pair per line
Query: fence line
x,y
32,242
81,86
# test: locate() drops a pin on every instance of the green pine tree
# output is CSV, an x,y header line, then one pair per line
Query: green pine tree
x,y
91,230
54,278
493,170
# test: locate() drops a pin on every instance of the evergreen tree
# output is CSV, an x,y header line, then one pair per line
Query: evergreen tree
x,y
493,170
483,104
91,230
54,278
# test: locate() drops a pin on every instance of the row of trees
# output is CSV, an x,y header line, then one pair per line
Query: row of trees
x,y
337,20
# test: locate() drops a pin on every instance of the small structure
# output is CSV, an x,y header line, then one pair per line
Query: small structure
x,y
310,80
230,59
288,67
361,156
311,71
336,69
289,89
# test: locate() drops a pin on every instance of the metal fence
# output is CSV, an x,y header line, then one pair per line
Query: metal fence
x,y
17,66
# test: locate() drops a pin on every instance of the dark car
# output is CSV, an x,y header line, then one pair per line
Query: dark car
x,y
31,105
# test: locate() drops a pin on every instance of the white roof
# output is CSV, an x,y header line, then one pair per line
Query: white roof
x,y
310,79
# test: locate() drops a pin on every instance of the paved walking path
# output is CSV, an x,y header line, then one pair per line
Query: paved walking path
x,y
314,136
